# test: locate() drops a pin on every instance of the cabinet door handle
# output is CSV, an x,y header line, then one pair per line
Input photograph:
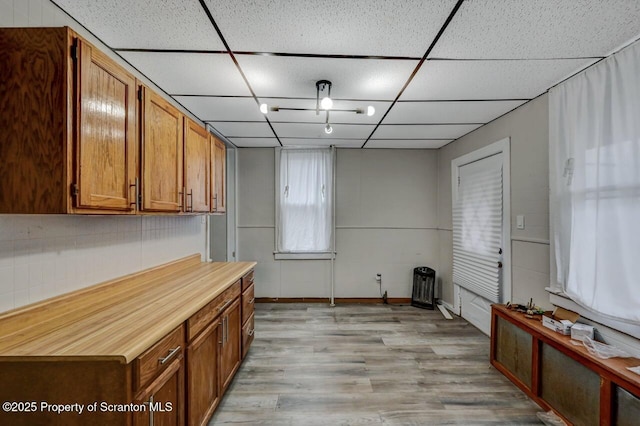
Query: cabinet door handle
x,y
215,197
221,341
224,330
251,331
226,335
190,195
135,193
181,197
171,353
222,308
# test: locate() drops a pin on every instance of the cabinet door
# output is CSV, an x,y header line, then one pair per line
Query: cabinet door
x,y
202,376
218,161
161,149
197,165
230,352
164,398
105,141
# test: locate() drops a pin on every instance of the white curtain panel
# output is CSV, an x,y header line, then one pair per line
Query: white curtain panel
x,y
305,210
594,131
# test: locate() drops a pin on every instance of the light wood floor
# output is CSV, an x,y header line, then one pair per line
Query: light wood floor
x,y
311,364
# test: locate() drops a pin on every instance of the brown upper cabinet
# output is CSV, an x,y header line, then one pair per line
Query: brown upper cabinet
x,y
161,146
218,184
68,120
197,168
81,135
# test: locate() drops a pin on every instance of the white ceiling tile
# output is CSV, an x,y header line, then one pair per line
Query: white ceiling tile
x,y
243,130
448,112
279,76
254,142
221,108
335,115
313,130
340,143
407,144
190,73
423,131
355,27
457,80
146,24
539,29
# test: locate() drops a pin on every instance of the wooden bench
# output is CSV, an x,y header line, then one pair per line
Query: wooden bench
x,y
561,376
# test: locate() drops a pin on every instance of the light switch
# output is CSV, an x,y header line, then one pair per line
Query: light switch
x,y
520,221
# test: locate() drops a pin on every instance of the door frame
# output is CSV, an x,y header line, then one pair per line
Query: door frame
x,y
501,146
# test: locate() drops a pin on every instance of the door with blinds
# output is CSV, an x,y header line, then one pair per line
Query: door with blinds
x,y
479,235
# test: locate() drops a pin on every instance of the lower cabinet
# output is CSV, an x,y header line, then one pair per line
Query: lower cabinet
x,y
202,376
163,398
230,343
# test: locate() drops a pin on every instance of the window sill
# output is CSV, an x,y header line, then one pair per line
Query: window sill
x,y
303,256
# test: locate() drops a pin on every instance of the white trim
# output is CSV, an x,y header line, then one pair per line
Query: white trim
x,y
501,146
531,240
302,256
447,305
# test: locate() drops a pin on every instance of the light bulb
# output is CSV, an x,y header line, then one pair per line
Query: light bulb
x,y
370,110
328,129
326,103
264,108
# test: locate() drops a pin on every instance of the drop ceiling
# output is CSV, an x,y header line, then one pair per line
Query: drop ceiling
x,y
434,70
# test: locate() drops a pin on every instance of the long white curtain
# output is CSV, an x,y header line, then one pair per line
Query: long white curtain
x,y
594,131
305,200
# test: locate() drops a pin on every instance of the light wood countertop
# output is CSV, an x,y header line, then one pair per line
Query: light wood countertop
x,y
116,320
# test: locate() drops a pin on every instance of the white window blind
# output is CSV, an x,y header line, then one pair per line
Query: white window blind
x,y
594,135
304,200
477,228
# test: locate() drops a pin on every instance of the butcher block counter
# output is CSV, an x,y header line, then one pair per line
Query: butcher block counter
x,y
159,346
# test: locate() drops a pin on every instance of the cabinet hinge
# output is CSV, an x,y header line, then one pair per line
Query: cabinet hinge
x,y
140,94
139,201
74,190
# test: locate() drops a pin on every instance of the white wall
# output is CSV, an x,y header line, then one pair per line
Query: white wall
x,y
43,256
386,220
528,128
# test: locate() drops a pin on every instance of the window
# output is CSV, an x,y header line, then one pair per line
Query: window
x,y
595,151
304,202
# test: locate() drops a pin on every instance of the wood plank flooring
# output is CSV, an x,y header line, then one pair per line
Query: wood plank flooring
x,y
311,364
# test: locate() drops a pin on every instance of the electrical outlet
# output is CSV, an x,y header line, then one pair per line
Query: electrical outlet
x,y
378,278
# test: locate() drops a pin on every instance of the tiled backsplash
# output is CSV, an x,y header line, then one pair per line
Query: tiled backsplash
x,y
46,255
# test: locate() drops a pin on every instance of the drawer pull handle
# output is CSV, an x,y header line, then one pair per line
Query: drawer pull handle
x,y
221,308
252,300
251,331
171,353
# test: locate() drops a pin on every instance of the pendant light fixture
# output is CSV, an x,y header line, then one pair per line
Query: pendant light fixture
x,y
323,87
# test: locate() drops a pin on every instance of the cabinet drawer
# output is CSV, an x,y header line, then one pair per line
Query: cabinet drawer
x,y
247,280
158,357
248,331
201,319
248,301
